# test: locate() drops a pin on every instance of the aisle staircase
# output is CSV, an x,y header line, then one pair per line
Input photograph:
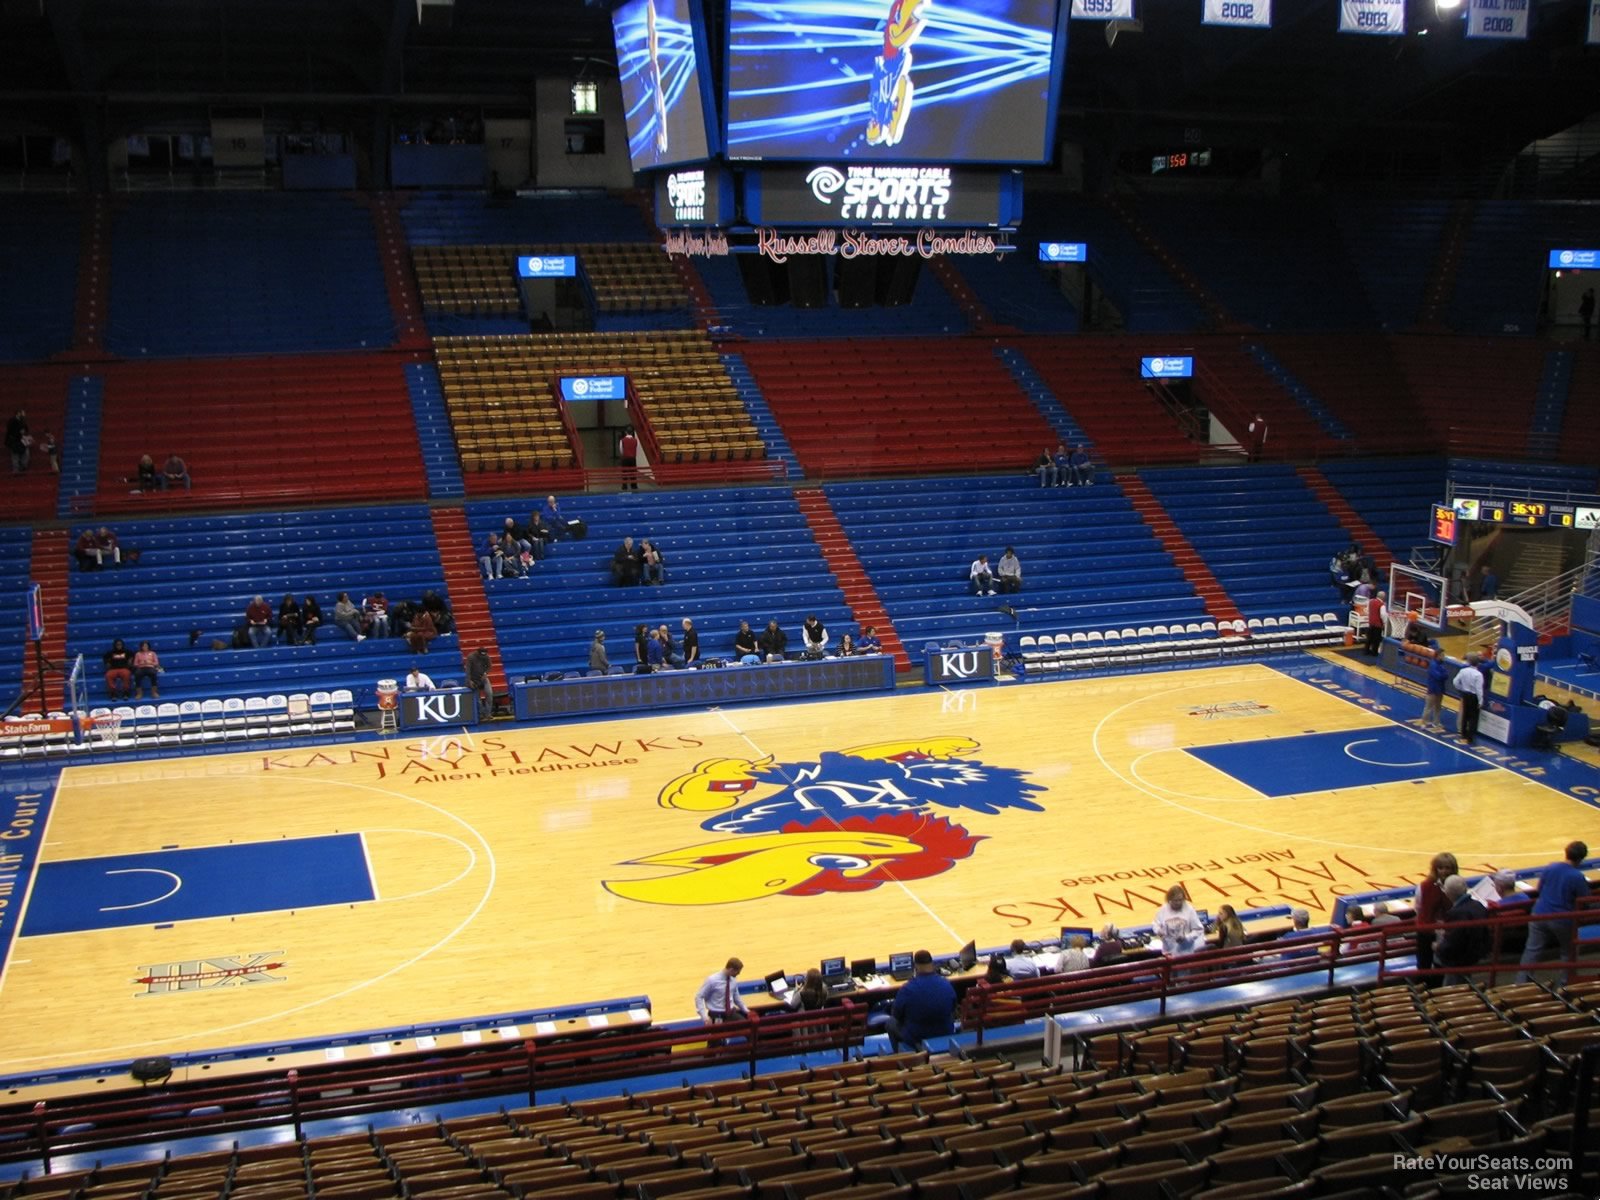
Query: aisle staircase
x,y
1219,607
1550,404
1209,304
977,313
80,447
744,382
434,436
1068,432
468,603
848,571
394,253
1442,281
50,568
1362,534
94,281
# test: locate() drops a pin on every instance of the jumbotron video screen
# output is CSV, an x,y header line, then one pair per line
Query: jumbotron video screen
x,y
661,64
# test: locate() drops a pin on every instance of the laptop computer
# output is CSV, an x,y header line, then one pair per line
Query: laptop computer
x,y
965,960
778,984
1068,932
900,966
834,976
863,968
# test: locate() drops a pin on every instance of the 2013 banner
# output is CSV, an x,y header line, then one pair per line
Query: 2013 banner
x,y
1107,10
1498,19
1247,14
1383,17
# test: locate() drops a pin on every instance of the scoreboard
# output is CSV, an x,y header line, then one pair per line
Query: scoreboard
x,y
1536,513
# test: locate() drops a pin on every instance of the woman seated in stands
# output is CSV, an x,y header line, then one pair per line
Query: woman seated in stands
x,y
147,478
348,618
146,672
810,995
511,563
119,671
1230,930
421,631
376,610
290,621
847,646
433,604
1074,955
310,619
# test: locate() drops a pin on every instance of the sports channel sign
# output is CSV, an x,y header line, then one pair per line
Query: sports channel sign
x,y
547,266
1063,252
694,196
872,194
594,387
1169,367
1574,260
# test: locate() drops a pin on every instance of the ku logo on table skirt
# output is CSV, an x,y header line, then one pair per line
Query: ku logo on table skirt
x,y
852,820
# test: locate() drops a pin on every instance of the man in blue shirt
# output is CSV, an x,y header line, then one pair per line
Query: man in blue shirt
x,y
922,1007
1561,886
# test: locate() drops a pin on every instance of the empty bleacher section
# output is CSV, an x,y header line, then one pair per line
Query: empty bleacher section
x,y
1490,476
41,392
17,666
244,273
1018,291
1144,291
1392,246
1097,381
507,418
482,280
1392,495
932,309
199,573
475,219
39,240
1580,432
1089,561
1359,380
1260,531
879,407
261,430
1235,387
1470,391
1500,281
730,555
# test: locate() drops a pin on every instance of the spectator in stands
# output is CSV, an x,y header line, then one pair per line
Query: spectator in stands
x,y
539,536
773,642
651,564
641,647
718,998
1469,684
290,620
869,643
1178,925
669,649
1431,905
422,631
599,662
376,610
1586,312
1074,955
1082,467
1433,706
1045,469
1299,927
1230,930
19,441
175,471
1257,433
119,671
47,447
744,641
1462,945
513,558
628,459
981,577
146,672
1062,462
625,564
847,646
418,680
815,634
310,619
146,478
444,621
1108,949
923,1007
1508,902
492,561
691,644
1010,571
348,617
518,534
555,519
258,622
1377,615
1561,885
1019,964
655,649
94,547
810,995
478,667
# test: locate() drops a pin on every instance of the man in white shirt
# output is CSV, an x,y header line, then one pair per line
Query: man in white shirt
x,y
1469,682
718,998
419,681
982,578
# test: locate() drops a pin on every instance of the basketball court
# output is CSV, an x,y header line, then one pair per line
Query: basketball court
x,y
187,904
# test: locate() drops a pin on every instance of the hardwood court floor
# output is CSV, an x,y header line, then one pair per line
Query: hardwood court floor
x,y
196,903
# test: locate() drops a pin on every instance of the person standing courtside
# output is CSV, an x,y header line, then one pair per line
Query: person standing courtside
x,y
1377,616
1469,682
923,1007
718,998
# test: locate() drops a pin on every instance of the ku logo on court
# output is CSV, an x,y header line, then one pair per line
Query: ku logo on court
x,y
197,974
854,820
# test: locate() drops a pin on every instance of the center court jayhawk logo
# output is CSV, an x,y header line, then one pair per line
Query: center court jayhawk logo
x,y
854,820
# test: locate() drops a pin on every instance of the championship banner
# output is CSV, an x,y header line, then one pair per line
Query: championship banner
x,y
1503,19
1246,14
1383,17
1594,22
1102,10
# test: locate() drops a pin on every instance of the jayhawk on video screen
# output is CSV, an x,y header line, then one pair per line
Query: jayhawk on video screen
x,y
889,105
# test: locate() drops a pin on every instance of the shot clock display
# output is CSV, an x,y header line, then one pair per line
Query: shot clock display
x,y
1443,526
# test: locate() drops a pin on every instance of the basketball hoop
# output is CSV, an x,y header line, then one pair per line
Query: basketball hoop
x,y
105,729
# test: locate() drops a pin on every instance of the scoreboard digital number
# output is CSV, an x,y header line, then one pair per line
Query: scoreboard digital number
x,y
1443,526
1510,512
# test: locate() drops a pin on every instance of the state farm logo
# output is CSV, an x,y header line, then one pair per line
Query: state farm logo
x,y
884,193
686,193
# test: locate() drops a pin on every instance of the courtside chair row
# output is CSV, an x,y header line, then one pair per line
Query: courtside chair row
x,y
1147,644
